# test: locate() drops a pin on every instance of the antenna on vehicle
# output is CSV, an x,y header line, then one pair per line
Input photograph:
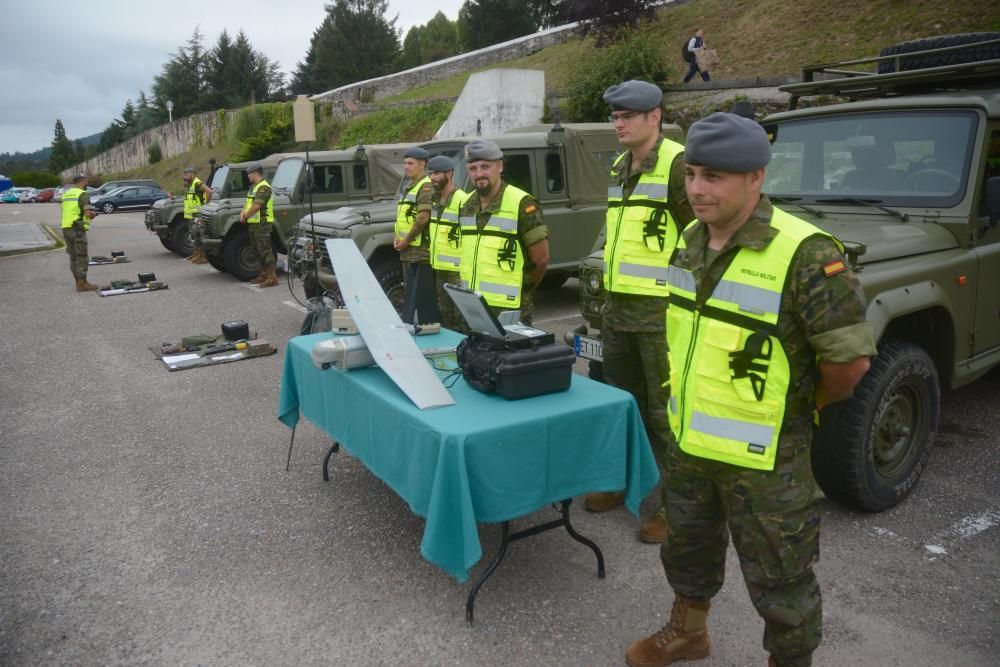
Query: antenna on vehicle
x,y
305,131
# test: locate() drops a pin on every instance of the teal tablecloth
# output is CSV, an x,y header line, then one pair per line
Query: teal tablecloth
x,y
483,460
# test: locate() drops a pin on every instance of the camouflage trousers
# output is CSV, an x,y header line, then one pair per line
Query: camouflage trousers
x,y
451,318
196,232
76,248
260,244
420,305
774,521
637,362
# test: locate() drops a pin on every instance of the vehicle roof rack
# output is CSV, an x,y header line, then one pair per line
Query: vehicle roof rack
x,y
835,79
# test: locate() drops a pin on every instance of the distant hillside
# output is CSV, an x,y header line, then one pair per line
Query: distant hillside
x,y
37,160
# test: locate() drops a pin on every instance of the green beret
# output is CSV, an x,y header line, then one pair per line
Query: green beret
x,y
479,149
440,163
416,152
634,96
189,170
727,142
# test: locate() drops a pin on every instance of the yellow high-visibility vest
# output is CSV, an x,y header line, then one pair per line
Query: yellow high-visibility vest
x,y
641,233
446,234
193,200
729,374
406,211
71,210
268,209
492,257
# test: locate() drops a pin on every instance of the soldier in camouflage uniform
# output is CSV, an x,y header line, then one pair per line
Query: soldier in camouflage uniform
x,y
635,347
484,162
748,271
258,215
77,212
412,240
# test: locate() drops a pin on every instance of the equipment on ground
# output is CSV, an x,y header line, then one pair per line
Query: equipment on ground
x,y
117,257
236,330
146,282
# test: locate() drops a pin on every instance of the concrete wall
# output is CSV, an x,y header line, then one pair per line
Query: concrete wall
x,y
177,137
495,101
393,84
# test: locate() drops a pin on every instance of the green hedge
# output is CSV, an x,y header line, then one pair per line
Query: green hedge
x,y
36,179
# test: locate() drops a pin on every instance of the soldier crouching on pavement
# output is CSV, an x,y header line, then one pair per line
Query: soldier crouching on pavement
x,y
76,212
765,325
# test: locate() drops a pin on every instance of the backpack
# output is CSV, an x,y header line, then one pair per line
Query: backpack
x,y
685,54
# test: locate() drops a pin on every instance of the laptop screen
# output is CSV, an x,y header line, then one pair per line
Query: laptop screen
x,y
475,310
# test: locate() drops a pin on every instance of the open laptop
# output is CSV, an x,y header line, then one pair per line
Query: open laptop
x,y
481,319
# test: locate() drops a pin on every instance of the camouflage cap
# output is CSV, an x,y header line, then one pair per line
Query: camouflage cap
x,y
189,170
634,95
440,163
416,152
255,167
727,142
480,149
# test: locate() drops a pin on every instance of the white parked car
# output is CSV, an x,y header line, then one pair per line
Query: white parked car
x,y
27,195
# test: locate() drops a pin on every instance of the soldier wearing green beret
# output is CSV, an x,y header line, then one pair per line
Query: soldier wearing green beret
x,y
505,247
647,210
765,325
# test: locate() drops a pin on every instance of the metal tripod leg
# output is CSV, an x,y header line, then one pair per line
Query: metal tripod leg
x,y
334,448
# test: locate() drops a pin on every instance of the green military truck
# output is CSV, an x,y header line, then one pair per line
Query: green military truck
x,y
166,217
336,178
564,166
906,173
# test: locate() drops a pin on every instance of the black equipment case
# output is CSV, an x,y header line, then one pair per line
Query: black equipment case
x,y
515,369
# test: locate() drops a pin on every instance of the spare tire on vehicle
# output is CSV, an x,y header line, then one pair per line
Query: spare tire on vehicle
x,y
970,55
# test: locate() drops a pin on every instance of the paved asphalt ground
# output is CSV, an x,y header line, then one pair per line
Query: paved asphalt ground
x,y
146,516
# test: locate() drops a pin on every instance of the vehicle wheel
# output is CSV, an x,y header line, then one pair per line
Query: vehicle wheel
x,y
970,55
166,242
33,200
236,255
180,238
217,262
108,207
870,450
389,274
595,370
553,280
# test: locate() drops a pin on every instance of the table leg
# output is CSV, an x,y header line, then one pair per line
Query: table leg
x,y
334,448
507,537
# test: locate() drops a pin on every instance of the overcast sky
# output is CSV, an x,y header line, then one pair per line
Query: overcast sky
x,y
81,65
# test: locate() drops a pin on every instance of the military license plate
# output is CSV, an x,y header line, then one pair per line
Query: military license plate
x,y
588,348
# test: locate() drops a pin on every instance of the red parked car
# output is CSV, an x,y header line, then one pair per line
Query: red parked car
x,y
45,195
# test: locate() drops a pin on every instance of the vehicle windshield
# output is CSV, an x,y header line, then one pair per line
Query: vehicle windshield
x,y
899,159
219,178
287,175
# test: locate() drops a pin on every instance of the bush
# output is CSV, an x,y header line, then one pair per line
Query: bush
x,y
262,129
36,179
155,154
639,56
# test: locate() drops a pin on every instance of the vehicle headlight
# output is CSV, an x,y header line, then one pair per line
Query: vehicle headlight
x,y
594,281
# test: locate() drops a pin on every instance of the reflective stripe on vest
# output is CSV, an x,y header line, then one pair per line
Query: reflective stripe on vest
x,y
71,211
492,257
729,374
641,233
268,208
192,200
446,234
406,212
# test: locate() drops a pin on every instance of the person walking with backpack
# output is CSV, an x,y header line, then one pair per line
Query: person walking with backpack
x,y
687,51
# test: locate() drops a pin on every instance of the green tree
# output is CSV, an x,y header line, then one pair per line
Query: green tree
x,y
410,56
182,80
484,23
637,57
112,135
435,40
303,81
237,74
146,116
79,153
606,21
357,41
62,155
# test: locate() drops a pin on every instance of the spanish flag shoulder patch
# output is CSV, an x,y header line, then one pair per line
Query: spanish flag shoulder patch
x,y
833,268
530,208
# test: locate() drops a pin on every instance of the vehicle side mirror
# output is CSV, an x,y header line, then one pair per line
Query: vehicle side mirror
x,y
992,196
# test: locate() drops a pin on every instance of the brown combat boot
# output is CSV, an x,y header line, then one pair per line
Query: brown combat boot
x,y
654,529
198,256
684,637
270,277
83,286
604,501
259,278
